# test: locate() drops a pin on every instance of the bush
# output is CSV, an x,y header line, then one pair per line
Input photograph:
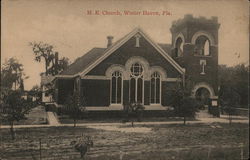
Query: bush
x,y
133,111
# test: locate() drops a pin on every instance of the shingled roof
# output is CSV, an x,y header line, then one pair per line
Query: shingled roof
x,y
83,62
91,56
166,47
95,54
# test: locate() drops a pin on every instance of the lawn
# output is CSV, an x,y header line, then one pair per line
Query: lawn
x,y
37,115
164,142
64,119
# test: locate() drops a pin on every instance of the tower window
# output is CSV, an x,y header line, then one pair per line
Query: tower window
x,y
202,46
179,47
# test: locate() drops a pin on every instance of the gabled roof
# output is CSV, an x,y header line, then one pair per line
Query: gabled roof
x,y
166,47
96,55
83,62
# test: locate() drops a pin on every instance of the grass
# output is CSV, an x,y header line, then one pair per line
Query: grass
x,y
66,120
36,116
190,142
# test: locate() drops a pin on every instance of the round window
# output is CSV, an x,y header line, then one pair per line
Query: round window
x,y
136,69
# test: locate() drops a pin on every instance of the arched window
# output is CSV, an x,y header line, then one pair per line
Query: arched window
x,y
136,83
202,46
179,47
116,87
155,88
206,48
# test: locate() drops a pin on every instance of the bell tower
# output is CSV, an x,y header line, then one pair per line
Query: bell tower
x,y
195,48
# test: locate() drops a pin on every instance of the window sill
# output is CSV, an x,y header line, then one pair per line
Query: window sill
x,y
196,55
115,105
155,104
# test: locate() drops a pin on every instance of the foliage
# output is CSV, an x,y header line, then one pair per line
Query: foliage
x,y
75,106
12,74
63,63
234,78
36,92
229,100
59,66
184,105
44,51
134,111
83,145
13,107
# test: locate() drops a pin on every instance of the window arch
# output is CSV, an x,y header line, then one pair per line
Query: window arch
x,y
143,63
202,46
116,88
155,88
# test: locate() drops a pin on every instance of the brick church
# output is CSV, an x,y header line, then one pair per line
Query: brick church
x,y
137,69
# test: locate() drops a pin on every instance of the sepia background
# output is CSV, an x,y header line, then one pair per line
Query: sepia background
x,y
65,25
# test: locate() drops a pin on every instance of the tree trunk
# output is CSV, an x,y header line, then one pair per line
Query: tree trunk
x,y
74,122
132,123
230,119
12,130
184,120
46,67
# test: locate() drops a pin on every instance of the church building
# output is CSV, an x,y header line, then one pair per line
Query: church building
x,y
137,69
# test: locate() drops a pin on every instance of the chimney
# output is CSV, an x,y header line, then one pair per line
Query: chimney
x,y
56,58
56,63
110,38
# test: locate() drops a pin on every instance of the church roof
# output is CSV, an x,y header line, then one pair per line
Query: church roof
x,y
84,61
166,47
95,54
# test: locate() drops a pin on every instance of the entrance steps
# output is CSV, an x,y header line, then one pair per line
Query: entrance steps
x,y
52,119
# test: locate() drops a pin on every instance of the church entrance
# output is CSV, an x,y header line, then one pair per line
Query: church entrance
x,y
203,96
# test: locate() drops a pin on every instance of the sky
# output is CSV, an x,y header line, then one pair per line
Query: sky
x,y
66,25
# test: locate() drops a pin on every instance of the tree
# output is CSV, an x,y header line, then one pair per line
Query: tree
x,y
43,51
235,77
229,99
74,107
134,111
12,74
12,106
63,64
59,66
184,105
36,92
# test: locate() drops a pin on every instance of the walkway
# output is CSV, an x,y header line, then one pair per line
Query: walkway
x,y
52,119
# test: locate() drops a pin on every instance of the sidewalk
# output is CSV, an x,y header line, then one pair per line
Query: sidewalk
x,y
52,119
53,122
